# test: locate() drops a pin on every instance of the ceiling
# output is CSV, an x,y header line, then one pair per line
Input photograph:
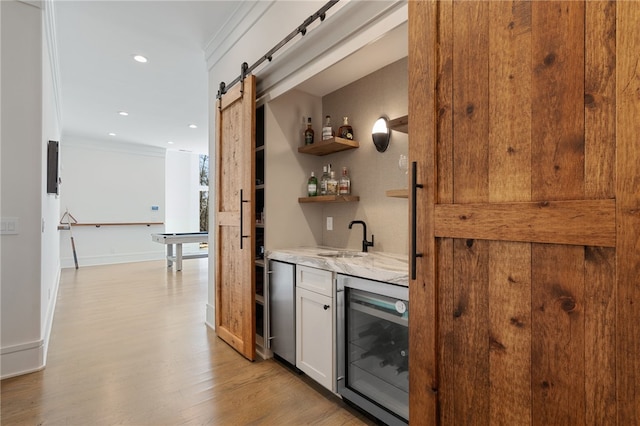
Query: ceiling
x,y
96,42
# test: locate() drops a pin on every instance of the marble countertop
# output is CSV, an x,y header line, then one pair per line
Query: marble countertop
x,y
387,267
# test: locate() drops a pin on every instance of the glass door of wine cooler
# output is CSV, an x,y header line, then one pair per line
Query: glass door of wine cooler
x,y
376,340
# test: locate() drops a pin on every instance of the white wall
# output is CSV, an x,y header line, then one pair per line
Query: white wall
x,y
111,183
382,93
50,273
29,271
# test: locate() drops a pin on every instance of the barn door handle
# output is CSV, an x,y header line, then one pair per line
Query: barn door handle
x,y
242,236
414,208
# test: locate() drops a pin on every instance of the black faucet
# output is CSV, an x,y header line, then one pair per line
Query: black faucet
x,y
365,244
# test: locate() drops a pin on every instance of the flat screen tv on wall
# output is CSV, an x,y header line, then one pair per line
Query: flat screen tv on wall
x,y
52,167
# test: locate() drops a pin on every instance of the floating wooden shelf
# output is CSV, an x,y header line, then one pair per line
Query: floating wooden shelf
x,y
328,146
398,193
401,124
329,199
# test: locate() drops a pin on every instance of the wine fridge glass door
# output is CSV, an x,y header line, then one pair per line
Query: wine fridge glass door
x,y
377,355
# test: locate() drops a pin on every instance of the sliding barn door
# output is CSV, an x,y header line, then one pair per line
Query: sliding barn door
x,y
524,126
234,283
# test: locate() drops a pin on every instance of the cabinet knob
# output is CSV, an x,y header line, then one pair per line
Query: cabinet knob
x,y
326,307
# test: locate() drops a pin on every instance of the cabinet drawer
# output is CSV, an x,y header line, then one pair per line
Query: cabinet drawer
x,y
314,279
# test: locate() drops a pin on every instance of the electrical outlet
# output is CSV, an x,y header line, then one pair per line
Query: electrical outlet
x,y
329,223
9,226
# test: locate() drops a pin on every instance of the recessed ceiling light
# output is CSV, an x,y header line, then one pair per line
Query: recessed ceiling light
x,y
170,142
193,126
124,113
112,134
140,58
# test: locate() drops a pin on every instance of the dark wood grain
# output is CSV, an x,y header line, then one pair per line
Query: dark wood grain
x,y
557,351
443,156
510,333
600,99
470,102
628,211
423,363
600,334
510,101
583,222
558,100
471,332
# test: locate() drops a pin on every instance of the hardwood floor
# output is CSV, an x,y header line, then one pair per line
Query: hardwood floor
x,y
129,346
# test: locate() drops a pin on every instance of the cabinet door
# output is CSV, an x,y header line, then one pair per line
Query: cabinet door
x,y
234,248
314,336
524,128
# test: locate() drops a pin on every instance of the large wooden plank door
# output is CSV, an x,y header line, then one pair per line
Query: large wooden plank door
x,y
234,248
524,122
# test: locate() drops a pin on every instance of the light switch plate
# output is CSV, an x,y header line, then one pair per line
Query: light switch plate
x,y
329,223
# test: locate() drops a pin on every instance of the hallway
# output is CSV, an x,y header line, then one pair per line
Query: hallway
x,y
129,346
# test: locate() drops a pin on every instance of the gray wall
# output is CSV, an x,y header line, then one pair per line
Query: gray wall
x,y
382,93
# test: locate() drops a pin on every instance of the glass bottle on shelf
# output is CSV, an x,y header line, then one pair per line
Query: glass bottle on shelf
x,y
312,185
345,131
332,184
344,187
308,133
327,130
323,181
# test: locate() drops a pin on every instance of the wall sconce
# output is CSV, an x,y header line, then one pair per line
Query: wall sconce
x,y
381,134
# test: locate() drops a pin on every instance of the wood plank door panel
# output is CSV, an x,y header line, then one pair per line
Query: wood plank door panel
x,y
527,217
234,249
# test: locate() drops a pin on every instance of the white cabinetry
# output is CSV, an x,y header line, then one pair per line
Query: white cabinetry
x,y
315,335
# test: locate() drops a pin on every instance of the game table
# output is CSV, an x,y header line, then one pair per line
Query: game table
x,y
177,239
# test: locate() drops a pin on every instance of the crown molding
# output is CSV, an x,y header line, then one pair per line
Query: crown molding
x,y
245,17
129,148
52,49
34,3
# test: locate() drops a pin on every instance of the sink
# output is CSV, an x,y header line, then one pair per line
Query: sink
x,y
342,254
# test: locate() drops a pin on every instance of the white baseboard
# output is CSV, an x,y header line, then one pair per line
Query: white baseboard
x,y
22,359
210,319
109,259
48,325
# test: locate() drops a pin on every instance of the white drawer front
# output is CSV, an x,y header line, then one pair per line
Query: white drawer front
x,y
316,280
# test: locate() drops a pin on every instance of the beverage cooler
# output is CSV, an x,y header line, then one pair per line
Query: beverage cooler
x,y
372,330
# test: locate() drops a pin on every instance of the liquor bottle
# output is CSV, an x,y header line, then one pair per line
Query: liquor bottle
x,y
332,184
312,185
345,131
308,133
323,181
327,130
345,183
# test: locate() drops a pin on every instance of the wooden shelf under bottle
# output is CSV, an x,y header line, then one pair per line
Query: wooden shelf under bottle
x,y
329,199
401,124
397,193
328,146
